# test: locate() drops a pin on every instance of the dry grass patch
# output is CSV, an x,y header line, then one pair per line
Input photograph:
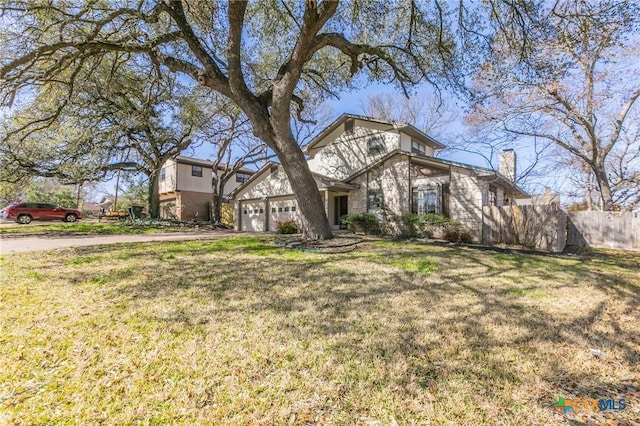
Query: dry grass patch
x,y
238,331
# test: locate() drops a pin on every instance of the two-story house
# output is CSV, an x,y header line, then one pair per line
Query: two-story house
x,y
388,168
186,190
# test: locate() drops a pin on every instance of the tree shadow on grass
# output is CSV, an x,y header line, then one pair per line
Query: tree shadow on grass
x,y
428,335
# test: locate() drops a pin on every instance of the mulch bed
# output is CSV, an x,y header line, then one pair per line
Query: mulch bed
x,y
334,245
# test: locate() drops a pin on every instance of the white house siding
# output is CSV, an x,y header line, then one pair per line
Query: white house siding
x,y
405,145
168,184
349,153
186,182
273,185
466,200
230,186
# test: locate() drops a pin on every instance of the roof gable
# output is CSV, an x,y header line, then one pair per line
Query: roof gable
x,y
322,138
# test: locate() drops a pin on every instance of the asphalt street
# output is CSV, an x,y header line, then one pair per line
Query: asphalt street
x,y
30,244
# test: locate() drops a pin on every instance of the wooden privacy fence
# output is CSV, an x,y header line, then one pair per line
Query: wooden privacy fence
x,y
604,229
550,228
538,227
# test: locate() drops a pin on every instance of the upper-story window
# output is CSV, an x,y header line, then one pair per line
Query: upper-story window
x,y
492,198
348,126
374,199
242,177
163,173
418,148
375,145
196,171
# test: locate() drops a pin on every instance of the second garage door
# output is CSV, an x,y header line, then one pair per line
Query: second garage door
x,y
252,216
282,210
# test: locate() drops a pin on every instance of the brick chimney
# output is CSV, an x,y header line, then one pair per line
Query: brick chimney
x,y
507,165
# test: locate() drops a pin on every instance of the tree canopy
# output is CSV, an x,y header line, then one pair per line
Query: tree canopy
x,y
574,82
260,55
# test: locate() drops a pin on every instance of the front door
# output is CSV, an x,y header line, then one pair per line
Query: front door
x,y
340,208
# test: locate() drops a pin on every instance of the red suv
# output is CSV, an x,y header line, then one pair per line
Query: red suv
x,y
25,212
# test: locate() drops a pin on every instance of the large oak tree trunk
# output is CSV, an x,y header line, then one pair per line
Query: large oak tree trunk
x,y
315,224
605,188
154,195
274,129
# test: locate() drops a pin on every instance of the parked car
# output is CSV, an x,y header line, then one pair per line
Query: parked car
x,y
25,212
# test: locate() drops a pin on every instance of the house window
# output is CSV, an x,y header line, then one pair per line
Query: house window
x,y
492,198
279,209
375,145
418,148
163,174
196,171
273,209
348,127
286,209
261,210
293,208
374,199
245,211
242,177
426,200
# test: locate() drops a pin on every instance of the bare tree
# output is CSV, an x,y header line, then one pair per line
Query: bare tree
x,y
429,112
572,81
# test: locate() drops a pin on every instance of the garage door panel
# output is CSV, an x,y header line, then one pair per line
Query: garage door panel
x,y
283,211
253,216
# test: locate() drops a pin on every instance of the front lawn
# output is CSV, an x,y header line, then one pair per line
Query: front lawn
x,y
239,331
98,228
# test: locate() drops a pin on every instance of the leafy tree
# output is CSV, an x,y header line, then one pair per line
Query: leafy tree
x,y
50,192
260,55
136,191
126,120
571,78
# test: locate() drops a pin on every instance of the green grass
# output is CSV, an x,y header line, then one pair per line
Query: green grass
x,y
239,331
91,228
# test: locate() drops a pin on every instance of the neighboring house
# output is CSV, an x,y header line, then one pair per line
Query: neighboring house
x,y
362,164
185,186
547,198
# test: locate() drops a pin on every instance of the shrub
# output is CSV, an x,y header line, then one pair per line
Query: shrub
x,y
361,222
411,224
465,237
452,235
438,219
426,225
287,227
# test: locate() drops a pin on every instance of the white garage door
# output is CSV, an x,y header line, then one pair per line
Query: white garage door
x,y
282,211
252,216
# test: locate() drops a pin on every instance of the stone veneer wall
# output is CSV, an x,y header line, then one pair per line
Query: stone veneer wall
x,y
392,178
466,200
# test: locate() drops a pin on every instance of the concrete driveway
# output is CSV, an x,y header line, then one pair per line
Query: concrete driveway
x,y
30,244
